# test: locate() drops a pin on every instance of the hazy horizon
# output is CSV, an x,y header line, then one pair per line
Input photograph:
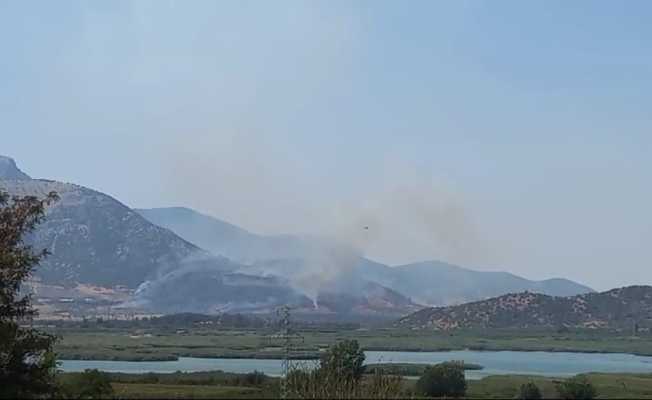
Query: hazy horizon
x,y
498,136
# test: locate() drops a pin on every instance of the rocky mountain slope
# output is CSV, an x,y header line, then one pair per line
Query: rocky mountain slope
x,y
95,239
9,170
429,283
102,252
617,308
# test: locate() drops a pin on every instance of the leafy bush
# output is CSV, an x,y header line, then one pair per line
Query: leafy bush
x,y
578,387
344,360
150,378
90,384
441,380
338,377
255,378
529,391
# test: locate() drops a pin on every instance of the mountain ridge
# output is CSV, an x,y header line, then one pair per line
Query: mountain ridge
x,y
93,238
454,282
427,282
616,308
221,237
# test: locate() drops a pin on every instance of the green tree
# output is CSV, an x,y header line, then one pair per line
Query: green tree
x,y
442,380
577,387
338,377
529,391
90,384
255,378
344,359
27,362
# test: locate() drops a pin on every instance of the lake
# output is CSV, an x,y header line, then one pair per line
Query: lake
x,y
494,362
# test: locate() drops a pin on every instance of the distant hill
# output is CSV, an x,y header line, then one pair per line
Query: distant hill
x,y
428,283
223,238
617,308
439,283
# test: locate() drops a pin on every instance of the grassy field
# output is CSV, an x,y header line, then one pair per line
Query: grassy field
x,y
165,344
609,386
128,345
220,385
163,391
208,384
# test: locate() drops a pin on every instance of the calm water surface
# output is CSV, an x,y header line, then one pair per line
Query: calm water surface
x,y
494,362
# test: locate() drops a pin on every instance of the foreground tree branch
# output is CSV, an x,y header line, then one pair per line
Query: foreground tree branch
x,y
27,362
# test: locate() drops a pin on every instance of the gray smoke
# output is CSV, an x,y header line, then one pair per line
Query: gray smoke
x,y
404,220
411,221
396,217
402,224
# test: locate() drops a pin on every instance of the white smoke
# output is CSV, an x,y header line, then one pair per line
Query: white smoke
x,y
412,221
324,266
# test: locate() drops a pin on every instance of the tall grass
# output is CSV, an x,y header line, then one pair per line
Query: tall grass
x,y
306,382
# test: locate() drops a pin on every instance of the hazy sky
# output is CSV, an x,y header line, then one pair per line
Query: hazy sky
x,y
511,135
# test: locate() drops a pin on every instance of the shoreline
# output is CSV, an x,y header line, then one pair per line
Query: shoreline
x,y
315,356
